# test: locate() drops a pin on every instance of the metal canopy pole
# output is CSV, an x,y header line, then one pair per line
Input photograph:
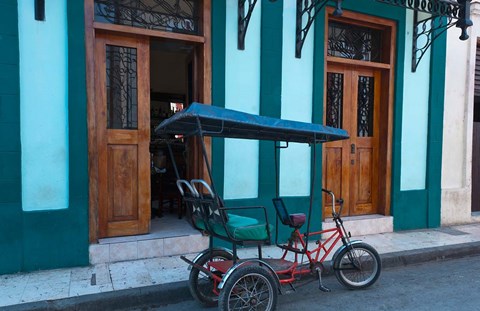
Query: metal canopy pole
x,y
312,187
173,160
277,147
205,158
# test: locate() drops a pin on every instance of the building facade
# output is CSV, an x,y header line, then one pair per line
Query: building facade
x,y
84,83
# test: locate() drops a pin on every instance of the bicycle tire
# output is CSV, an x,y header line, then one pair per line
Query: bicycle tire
x,y
200,284
249,287
357,266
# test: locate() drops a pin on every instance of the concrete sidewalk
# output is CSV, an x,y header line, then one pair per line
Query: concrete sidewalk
x,y
127,284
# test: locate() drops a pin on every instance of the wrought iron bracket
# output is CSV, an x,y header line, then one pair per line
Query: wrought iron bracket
x,y
443,15
424,33
310,9
244,20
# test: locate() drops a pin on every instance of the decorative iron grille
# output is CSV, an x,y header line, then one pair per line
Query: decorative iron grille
x,y
334,99
354,42
365,106
122,107
168,15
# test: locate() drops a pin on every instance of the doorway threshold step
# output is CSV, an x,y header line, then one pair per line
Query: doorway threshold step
x,y
143,249
363,225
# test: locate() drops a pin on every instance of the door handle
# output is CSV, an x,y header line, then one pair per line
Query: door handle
x,y
352,148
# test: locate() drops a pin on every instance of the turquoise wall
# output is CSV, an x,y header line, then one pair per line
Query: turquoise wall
x,y
242,80
297,93
32,240
415,115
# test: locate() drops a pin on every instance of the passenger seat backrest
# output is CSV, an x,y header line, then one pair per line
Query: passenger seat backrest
x,y
282,211
212,204
191,198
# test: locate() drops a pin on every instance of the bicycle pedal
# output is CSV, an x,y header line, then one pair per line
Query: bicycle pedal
x,y
320,283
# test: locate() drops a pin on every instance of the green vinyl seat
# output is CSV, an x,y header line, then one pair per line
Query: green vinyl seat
x,y
239,227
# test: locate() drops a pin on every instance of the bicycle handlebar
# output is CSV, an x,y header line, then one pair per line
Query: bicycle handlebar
x,y
339,201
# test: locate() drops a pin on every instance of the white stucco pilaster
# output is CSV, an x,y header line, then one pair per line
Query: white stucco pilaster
x,y
458,124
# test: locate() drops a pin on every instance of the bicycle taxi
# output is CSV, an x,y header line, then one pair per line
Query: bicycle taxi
x,y
217,275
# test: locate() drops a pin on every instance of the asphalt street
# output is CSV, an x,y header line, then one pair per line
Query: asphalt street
x,y
440,285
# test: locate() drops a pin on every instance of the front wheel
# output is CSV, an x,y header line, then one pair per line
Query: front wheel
x,y
357,266
249,288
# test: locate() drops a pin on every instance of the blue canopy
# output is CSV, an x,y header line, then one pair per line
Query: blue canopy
x,y
220,122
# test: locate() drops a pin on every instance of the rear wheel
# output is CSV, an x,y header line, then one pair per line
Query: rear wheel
x,y
249,288
357,266
200,284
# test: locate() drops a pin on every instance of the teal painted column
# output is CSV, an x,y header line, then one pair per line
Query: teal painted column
x,y
270,97
218,86
317,109
435,129
271,88
11,234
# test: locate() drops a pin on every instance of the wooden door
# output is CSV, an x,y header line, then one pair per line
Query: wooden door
x,y
122,99
350,167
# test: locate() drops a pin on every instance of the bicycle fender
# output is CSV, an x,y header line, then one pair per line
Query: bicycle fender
x,y
249,261
195,260
341,249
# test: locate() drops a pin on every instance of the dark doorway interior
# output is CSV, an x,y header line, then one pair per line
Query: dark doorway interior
x,y
171,77
476,156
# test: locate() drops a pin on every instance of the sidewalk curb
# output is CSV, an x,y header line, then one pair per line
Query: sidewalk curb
x,y
162,294
172,293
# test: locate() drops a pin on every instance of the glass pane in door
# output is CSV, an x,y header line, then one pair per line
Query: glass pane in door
x,y
365,106
121,83
334,111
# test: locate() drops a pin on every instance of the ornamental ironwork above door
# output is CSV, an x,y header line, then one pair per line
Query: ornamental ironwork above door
x,y
168,15
354,42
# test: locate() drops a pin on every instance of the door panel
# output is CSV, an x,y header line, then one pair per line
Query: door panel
x,y
352,103
123,134
336,155
364,135
333,161
122,182
364,176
